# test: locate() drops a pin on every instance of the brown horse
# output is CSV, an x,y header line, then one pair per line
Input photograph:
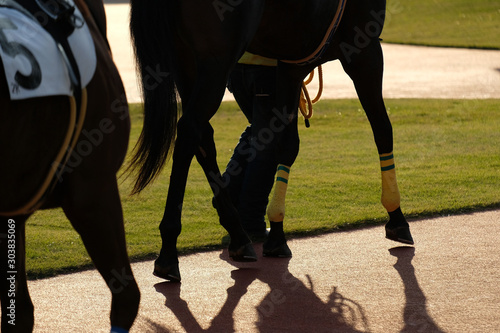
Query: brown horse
x,y
33,137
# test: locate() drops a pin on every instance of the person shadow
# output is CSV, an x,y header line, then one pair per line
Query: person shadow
x,y
415,315
290,305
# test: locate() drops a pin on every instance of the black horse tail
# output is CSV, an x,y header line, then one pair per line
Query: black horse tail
x,y
153,47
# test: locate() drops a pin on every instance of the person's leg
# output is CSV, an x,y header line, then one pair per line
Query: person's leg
x,y
259,174
234,173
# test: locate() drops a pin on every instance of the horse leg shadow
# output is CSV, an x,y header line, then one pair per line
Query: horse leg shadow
x,y
173,301
416,316
224,320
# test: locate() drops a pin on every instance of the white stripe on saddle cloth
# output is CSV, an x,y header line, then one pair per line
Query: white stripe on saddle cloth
x,y
34,67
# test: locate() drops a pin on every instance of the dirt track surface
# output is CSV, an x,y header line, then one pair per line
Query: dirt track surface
x,y
354,281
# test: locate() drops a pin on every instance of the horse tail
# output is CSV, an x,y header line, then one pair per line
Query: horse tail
x,y
152,46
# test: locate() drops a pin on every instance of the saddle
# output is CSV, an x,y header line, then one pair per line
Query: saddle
x,y
58,18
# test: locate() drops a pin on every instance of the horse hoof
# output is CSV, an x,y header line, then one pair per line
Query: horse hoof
x,y
169,272
277,249
399,234
244,253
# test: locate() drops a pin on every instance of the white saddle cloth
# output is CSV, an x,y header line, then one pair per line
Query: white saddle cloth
x,y
34,66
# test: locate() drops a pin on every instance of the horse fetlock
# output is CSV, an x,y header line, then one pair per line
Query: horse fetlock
x,y
125,306
238,237
276,232
398,229
244,253
167,269
276,208
390,200
397,219
229,220
276,213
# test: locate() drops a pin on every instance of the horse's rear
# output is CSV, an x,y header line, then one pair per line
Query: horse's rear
x,y
32,140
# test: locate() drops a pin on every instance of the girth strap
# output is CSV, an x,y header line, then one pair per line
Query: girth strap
x,y
326,40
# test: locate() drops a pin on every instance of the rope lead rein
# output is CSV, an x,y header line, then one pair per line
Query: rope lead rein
x,y
305,103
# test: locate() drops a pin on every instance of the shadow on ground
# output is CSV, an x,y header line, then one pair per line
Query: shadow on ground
x,y
289,306
415,316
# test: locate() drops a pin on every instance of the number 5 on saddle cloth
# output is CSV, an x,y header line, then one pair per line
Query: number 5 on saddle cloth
x,y
47,50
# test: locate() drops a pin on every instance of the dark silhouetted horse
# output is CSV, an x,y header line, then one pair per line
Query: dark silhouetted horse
x,y
189,47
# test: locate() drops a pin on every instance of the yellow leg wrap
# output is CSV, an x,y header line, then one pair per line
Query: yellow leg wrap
x,y
276,208
390,192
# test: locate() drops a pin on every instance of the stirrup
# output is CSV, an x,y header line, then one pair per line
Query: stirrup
x,y
60,11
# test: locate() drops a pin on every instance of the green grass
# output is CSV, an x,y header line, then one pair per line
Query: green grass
x,y
447,157
458,23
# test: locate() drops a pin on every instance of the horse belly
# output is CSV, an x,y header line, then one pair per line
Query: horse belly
x,y
293,30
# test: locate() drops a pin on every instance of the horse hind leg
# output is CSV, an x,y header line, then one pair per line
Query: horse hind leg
x,y
240,248
289,80
366,71
94,210
195,137
288,140
166,266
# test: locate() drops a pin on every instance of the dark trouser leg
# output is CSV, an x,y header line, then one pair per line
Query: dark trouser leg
x,y
255,155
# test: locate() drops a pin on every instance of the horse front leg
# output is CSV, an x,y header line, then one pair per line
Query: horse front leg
x,y
366,71
17,308
397,229
275,245
289,82
240,247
